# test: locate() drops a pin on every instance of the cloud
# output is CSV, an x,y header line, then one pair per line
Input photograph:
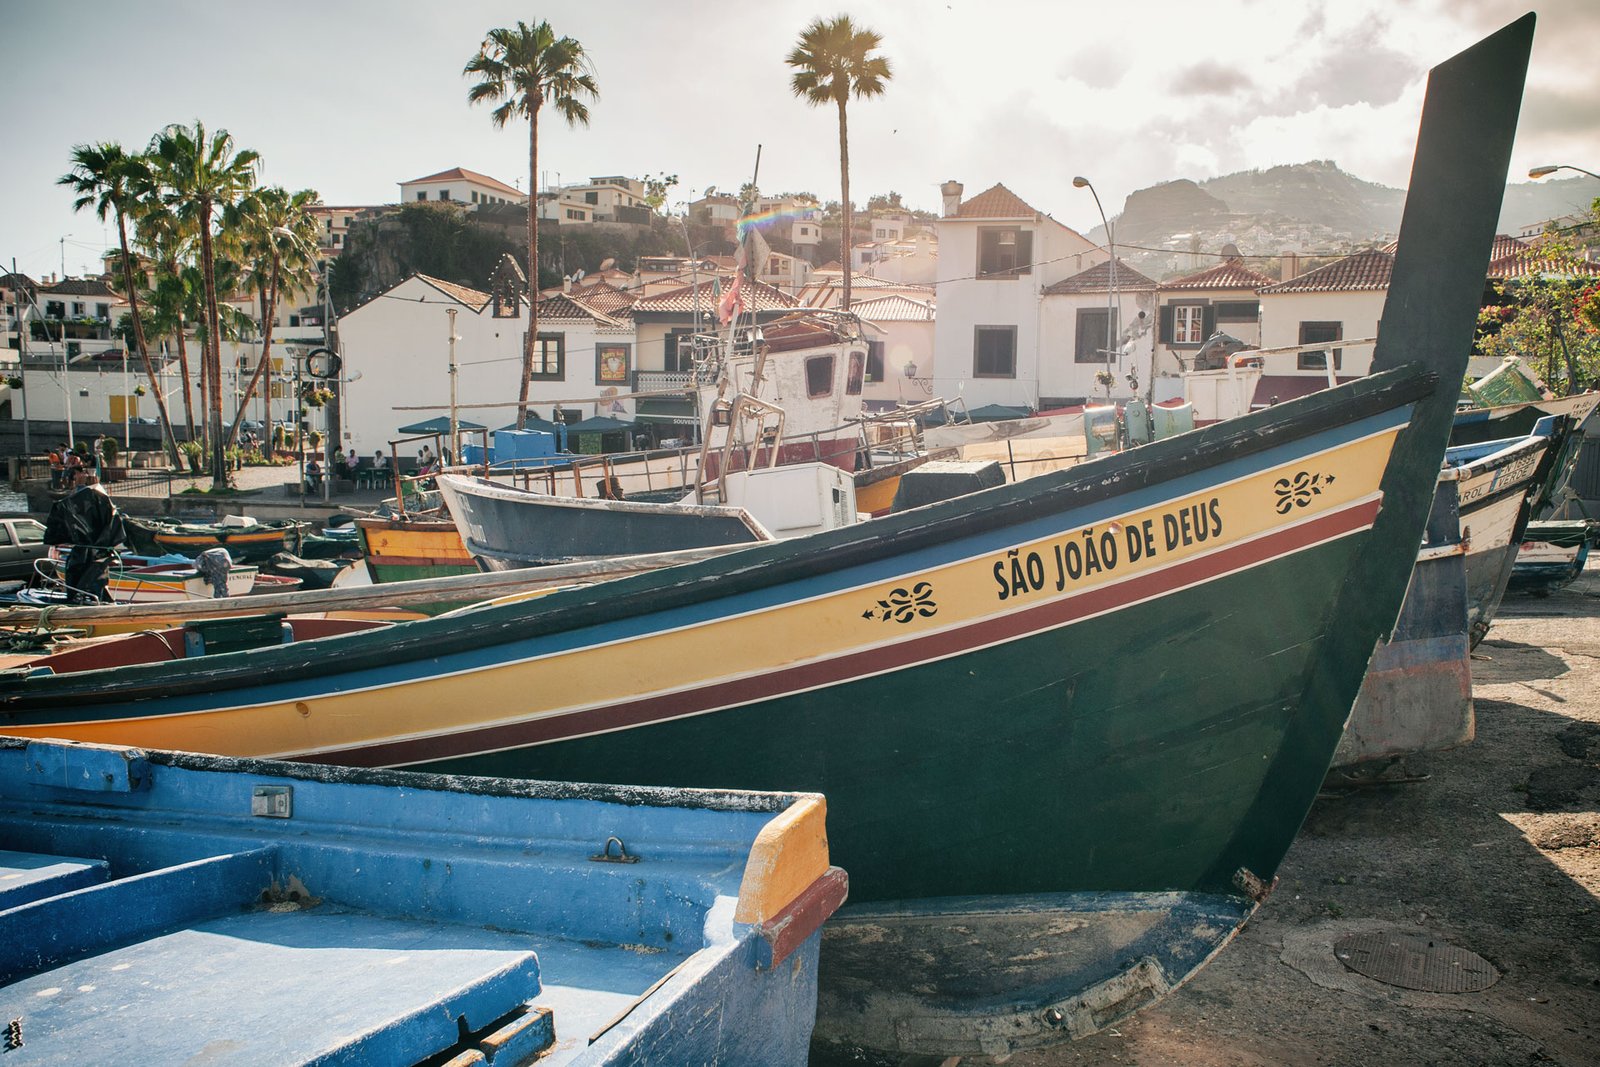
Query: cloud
x,y
1097,68
1211,77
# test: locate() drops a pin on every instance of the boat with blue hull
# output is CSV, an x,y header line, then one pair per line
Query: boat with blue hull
x,y
1417,695
969,682
243,912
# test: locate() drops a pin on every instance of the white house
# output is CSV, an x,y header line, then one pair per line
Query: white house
x,y
461,186
1222,297
899,330
613,198
1082,319
397,357
997,255
1341,301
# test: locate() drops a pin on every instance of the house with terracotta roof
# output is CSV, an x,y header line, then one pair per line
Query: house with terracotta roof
x,y
1222,298
997,256
399,344
1340,301
460,186
1079,346
608,199
665,322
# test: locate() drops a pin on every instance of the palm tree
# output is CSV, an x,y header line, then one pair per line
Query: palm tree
x,y
106,178
278,237
201,173
525,68
165,240
832,61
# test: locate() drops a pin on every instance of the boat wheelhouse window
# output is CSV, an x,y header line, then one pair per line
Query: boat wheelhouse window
x,y
858,370
1238,310
819,376
1004,252
994,352
874,361
1090,344
1313,333
549,357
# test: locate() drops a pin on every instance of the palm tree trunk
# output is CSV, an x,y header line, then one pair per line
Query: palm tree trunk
x,y
183,369
213,354
844,188
532,338
138,339
268,307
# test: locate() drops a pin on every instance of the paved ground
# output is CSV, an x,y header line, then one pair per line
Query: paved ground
x,y
1496,852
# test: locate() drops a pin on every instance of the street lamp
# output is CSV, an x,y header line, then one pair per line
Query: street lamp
x,y
1081,182
1551,168
694,264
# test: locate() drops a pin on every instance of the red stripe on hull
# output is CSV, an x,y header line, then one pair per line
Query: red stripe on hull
x,y
876,660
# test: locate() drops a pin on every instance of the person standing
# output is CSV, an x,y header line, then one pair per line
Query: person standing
x,y
58,466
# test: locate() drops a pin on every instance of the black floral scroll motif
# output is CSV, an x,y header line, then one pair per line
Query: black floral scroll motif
x,y
902,606
1297,492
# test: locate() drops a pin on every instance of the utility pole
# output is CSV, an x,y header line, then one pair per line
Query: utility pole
x,y
455,438
22,351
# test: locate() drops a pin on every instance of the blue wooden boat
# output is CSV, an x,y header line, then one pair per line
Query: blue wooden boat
x,y
167,908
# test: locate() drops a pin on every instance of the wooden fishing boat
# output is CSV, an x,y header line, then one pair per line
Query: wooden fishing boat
x,y
1552,555
241,912
1044,831
245,540
153,583
1417,695
398,548
506,528
1496,479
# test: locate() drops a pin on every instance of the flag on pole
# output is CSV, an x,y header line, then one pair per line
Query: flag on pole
x,y
732,302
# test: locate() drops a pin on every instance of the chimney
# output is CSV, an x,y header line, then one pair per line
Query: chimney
x,y
1291,264
952,197
566,283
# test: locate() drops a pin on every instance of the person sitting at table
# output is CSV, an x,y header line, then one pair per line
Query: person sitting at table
x,y
313,476
351,462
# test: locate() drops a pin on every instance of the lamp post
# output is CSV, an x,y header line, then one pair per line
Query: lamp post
x,y
694,264
1550,168
1081,182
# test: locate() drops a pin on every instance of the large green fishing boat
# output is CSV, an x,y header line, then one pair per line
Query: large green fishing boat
x,y
1067,728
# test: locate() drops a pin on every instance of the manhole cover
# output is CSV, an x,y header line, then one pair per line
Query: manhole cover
x,y
1412,961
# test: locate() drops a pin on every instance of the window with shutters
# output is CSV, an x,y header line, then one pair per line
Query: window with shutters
x,y
1090,345
1188,324
994,352
875,361
1312,333
1004,252
549,357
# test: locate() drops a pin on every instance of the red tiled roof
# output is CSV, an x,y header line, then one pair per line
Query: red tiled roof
x,y
79,287
1522,265
1097,279
997,202
895,308
1362,272
470,297
1229,274
461,174
563,307
759,296
605,297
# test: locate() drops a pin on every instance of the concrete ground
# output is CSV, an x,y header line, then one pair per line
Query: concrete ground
x,y
1495,851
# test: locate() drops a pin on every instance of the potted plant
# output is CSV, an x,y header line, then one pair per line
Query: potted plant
x,y
191,451
315,437
110,470
15,381
139,390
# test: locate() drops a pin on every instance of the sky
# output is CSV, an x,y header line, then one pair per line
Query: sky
x,y
352,97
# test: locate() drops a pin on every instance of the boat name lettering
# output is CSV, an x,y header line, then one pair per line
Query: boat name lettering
x,y
1098,550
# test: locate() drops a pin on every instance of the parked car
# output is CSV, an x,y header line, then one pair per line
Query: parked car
x,y
21,542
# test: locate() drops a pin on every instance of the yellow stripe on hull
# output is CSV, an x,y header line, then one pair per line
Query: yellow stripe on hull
x,y
963,592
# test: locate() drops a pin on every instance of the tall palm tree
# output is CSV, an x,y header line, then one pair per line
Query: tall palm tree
x,y
832,62
166,241
524,68
278,237
201,173
106,178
